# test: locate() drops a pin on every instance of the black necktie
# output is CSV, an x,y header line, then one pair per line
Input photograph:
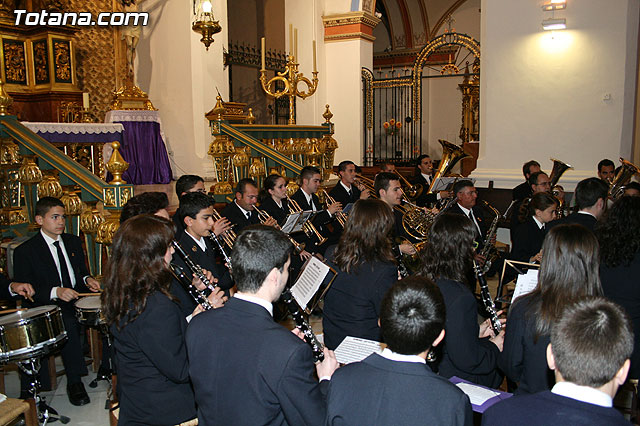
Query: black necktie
x,y
248,215
64,271
475,227
349,192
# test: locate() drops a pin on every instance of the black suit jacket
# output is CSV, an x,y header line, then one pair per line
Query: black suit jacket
x,y
278,213
33,263
378,391
464,354
584,219
526,240
620,284
320,220
238,218
546,408
342,196
153,371
523,358
479,215
424,199
248,370
4,287
521,191
352,303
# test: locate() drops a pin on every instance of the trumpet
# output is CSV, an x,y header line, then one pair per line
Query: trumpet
x,y
228,236
308,227
264,216
340,216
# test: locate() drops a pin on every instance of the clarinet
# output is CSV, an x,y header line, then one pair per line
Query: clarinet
x,y
402,268
195,269
303,325
489,305
227,259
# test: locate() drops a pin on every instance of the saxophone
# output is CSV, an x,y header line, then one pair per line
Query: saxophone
x,y
489,250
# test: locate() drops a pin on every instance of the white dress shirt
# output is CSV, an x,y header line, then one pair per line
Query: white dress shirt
x,y
466,211
394,356
582,393
244,212
54,254
200,242
253,299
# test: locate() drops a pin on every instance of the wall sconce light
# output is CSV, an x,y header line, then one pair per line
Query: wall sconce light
x,y
554,5
554,24
203,22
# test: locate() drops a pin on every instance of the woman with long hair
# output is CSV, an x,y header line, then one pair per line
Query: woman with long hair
x,y
147,325
619,237
273,198
367,269
528,236
568,272
470,350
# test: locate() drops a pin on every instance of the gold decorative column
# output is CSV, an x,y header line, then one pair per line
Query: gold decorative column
x,y
470,88
50,186
10,186
90,221
29,174
257,170
330,145
116,165
220,150
72,208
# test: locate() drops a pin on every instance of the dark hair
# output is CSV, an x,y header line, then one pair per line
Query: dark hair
x,y
541,201
382,181
384,164
605,163
308,172
619,232
257,250
568,271
591,341
136,267
632,185
589,191
412,315
461,184
145,203
241,187
343,165
269,184
449,250
366,235
192,203
533,177
45,204
420,158
526,167
186,182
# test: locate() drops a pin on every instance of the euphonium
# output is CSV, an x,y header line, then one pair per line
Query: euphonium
x,y
627,170
308,227
557,171
264,216
451,154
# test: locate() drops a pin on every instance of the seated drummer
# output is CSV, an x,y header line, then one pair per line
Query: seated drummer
x,y
388,188
10,289
53,262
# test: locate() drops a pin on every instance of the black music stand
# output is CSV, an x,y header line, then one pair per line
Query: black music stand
x,y
31,367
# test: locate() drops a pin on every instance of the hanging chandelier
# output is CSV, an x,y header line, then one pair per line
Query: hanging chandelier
x,y
204,23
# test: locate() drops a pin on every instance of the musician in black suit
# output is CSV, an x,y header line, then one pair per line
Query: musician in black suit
x,y
619,237
568,271
307,199
367,269
345,192
240,212
396,387
606,170
388,189
53,263
591,200
470,351
147,325
538,182
246,369
527,238
185,184
523,190
9,289
589,352
425,166
466,195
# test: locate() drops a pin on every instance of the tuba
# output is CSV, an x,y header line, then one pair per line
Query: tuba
x,y
451,154
557,171
627,170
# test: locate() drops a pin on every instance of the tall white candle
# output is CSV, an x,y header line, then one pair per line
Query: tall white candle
x,y
295,43
290,39
85,100
315,65
263,54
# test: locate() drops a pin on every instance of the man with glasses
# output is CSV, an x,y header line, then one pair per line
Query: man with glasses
x,y
538,182
466,195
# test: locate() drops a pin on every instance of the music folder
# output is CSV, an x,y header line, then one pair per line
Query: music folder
x,y
296,221
312,283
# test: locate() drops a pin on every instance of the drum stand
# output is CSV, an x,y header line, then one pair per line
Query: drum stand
x,y
94,383
45,413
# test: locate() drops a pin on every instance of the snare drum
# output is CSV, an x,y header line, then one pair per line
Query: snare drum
x,y
88,311
31,333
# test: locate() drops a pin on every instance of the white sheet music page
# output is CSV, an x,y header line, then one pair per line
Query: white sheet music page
x,y
309,281
477,395
291,222
354,349
525,284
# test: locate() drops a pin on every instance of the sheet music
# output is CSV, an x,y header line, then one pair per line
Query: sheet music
x,y
309,281
291,222
477,395
354,349
2,397
443,182
525,284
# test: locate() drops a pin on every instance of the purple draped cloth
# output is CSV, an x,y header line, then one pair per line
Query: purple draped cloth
x,y
144,150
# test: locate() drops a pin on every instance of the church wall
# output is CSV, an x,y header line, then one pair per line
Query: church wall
x,y
567,95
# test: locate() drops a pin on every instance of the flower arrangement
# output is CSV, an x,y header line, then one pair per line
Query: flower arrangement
x,y
392,126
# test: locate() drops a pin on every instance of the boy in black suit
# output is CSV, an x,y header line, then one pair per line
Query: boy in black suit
x,y
9,289
396,387
53,263
589,351
345,192
245,368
